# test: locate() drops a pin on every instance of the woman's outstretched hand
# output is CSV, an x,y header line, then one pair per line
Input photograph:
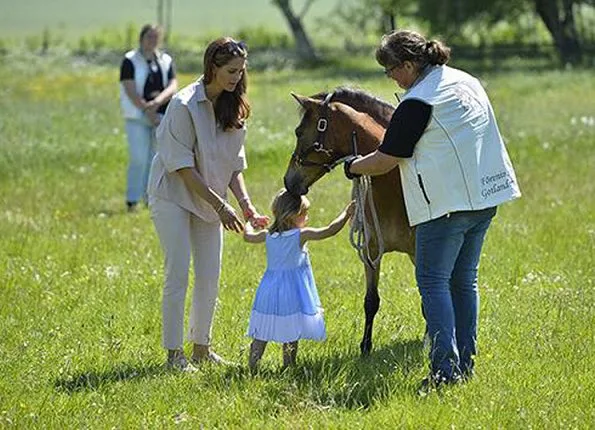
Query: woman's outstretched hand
x,y
229,218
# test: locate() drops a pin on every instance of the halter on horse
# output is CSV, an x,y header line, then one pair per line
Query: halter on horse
x,y
318,146
361,230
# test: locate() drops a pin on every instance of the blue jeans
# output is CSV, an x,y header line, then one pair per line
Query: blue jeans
x,y
141,142
447,260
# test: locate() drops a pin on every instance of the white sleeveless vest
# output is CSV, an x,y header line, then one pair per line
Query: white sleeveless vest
x,y
460,163
141,71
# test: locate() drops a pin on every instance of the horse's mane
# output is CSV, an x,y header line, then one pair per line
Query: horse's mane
x,y
361,101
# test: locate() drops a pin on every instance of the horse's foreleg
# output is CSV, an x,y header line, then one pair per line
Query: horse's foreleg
x,y
371,305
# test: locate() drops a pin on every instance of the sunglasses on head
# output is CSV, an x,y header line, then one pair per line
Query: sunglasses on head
x,y
237,48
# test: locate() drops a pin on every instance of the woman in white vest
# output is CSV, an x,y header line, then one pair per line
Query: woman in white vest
x,y
455,171
200,154
147,83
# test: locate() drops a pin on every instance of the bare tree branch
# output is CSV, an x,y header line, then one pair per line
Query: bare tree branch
x,y
305,9
304,46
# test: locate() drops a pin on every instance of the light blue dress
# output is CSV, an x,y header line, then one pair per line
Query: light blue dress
x,y
287,307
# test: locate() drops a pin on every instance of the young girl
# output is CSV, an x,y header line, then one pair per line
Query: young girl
x,y
286,307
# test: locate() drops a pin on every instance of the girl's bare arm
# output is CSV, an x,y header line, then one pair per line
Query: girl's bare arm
x,y
253,236
309,233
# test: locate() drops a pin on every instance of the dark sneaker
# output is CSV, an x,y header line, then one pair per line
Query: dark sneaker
x,y
435,381
467,375
131,207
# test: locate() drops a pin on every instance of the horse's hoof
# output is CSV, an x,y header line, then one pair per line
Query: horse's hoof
x,y
365,348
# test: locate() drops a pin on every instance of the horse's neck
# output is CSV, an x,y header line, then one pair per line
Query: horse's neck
x,y
369,135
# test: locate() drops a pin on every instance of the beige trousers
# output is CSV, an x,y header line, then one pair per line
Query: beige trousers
x,y
181,234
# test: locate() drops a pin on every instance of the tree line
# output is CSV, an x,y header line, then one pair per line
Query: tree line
x,y
446,17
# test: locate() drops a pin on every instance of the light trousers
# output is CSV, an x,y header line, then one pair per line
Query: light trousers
x,y
182,234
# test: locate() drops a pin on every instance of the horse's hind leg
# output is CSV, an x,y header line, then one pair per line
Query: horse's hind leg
x,y
371,305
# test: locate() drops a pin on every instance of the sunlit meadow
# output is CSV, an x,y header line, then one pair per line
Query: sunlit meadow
x,y
81,279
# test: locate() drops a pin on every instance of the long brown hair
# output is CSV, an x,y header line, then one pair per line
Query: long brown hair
x,y
285,207
406,45
232,108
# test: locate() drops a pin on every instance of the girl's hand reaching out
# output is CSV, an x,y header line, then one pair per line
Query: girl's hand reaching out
x,y
259,221
256,220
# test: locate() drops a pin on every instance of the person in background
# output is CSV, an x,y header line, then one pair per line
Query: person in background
x,y
200,154
455,171
147,83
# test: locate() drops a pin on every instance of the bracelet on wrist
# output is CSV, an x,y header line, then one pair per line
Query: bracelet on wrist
x,y
248,214
221,206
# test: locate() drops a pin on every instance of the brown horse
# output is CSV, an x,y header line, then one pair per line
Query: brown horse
x,y
324,138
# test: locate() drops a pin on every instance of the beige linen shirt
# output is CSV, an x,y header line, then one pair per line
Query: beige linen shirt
x,y
189,136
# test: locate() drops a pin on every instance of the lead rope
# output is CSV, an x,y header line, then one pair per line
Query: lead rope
x,y
361,231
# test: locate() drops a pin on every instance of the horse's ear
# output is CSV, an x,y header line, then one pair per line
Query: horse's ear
x,y
304,102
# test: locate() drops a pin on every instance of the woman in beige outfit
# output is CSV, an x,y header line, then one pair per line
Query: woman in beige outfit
x,y
200,154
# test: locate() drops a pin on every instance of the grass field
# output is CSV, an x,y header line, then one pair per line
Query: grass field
x,y
75,18
81,279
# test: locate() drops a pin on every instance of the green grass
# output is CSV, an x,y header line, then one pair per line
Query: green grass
x,y
81,280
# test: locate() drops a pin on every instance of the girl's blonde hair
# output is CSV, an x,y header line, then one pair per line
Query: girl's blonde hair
x,y
286,206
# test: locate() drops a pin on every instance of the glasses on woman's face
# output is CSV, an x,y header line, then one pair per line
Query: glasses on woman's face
x,y
389,70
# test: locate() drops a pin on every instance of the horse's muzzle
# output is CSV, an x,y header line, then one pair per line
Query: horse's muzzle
x,y
294,184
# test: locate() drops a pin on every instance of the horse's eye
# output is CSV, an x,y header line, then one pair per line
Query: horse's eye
x,y
298,133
